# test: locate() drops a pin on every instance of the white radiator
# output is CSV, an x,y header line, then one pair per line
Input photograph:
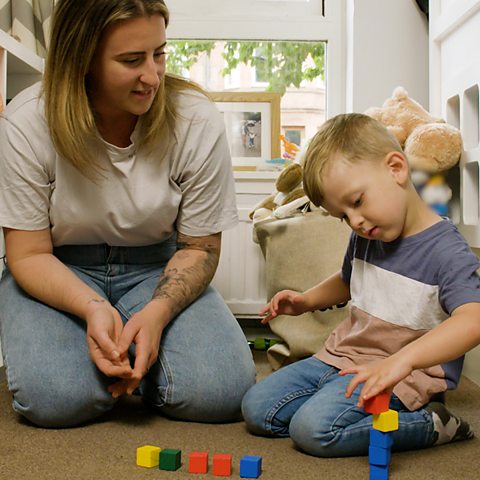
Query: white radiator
x,y
240,277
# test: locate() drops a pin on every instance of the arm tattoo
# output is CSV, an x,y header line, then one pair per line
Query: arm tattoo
x,y
189,272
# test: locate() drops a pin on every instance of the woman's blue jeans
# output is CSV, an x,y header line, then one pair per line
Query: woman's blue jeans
x,y
204,365
306,401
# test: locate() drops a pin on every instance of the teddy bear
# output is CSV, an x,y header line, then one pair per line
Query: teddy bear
x,y
431,145
288,196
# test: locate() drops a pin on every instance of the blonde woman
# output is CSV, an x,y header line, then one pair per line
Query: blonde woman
x,y
116,185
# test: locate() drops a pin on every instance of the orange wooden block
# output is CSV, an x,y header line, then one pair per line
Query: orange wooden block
x,y
222,465
198,462
377,404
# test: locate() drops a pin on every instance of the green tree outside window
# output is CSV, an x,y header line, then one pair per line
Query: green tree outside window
x,y
280,64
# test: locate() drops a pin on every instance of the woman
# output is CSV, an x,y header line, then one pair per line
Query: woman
x,y
116,185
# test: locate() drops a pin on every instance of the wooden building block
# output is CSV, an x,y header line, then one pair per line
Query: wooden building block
x,y
386,421
380,439
250,466
198,462
170,459
378,473
379,456
148,456
377,404
222,465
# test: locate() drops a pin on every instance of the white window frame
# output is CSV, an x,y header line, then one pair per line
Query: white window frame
x,y
233,19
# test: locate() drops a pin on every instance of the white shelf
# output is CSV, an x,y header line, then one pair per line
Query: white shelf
x,y
19,66
22,59
256,175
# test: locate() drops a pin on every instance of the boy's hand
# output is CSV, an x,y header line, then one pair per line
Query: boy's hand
x,y
286,302
378,376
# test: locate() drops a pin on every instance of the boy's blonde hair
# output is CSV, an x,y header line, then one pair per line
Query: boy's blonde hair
x,y
355,136
76,31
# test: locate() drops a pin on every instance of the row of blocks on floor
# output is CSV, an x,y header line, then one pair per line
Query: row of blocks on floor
x,y
385,422
170,459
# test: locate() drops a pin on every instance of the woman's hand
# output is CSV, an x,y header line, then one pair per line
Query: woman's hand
x,y
286,302
144,329
104,328
378,376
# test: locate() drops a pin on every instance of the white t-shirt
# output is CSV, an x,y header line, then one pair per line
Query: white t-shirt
x,y
142,198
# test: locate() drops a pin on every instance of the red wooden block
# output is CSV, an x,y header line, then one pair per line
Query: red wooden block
x,y
377,404
222,465
198,462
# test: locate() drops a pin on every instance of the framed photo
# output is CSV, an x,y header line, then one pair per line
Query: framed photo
x,y
252,123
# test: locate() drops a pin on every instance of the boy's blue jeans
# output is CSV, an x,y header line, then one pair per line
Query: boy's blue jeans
x,y
204,365
306,401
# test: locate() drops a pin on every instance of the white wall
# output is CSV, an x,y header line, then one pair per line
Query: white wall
x,y
387,46
454,85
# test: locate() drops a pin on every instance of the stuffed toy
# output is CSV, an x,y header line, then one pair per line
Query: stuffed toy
x,y
431,146
288,196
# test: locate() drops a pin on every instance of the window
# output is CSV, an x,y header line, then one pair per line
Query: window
x,y
312,21
294,69
255,45
260,66
294,134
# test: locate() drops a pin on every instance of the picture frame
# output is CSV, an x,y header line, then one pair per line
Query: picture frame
x,y
252,123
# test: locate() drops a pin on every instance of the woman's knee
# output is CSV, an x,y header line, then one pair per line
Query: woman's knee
x,y
50,405
213,399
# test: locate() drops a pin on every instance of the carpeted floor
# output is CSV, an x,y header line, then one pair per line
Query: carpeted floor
x,y
106,450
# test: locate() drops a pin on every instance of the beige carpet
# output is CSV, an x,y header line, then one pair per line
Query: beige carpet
x,y
106,450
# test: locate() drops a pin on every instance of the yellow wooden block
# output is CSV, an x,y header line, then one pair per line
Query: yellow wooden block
x,y
148,456
386,421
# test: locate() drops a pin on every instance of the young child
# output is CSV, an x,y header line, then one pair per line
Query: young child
x,y
415,306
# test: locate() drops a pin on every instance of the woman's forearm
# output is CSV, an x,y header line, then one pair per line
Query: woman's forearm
x,y
188,273
43,276
47,279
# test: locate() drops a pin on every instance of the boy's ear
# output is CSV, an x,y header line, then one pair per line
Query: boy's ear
x,y
398,166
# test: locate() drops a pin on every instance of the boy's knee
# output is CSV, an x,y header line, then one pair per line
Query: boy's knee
x,y
253,413
307,436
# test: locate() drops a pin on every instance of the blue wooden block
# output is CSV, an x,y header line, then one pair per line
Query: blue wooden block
x,y
381,439
378,473
379,456
250,466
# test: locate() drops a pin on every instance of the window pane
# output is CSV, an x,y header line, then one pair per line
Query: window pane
x,y
295,69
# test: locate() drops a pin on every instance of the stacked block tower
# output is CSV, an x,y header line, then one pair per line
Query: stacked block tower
x,y
385,422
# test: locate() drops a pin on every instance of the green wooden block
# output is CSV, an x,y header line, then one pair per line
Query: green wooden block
x,y
170,459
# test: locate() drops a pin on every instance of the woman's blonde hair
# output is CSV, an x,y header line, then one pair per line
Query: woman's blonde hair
x,y
355,136
76,31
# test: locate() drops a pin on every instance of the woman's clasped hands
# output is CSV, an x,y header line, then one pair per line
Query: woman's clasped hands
x,y
109,342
